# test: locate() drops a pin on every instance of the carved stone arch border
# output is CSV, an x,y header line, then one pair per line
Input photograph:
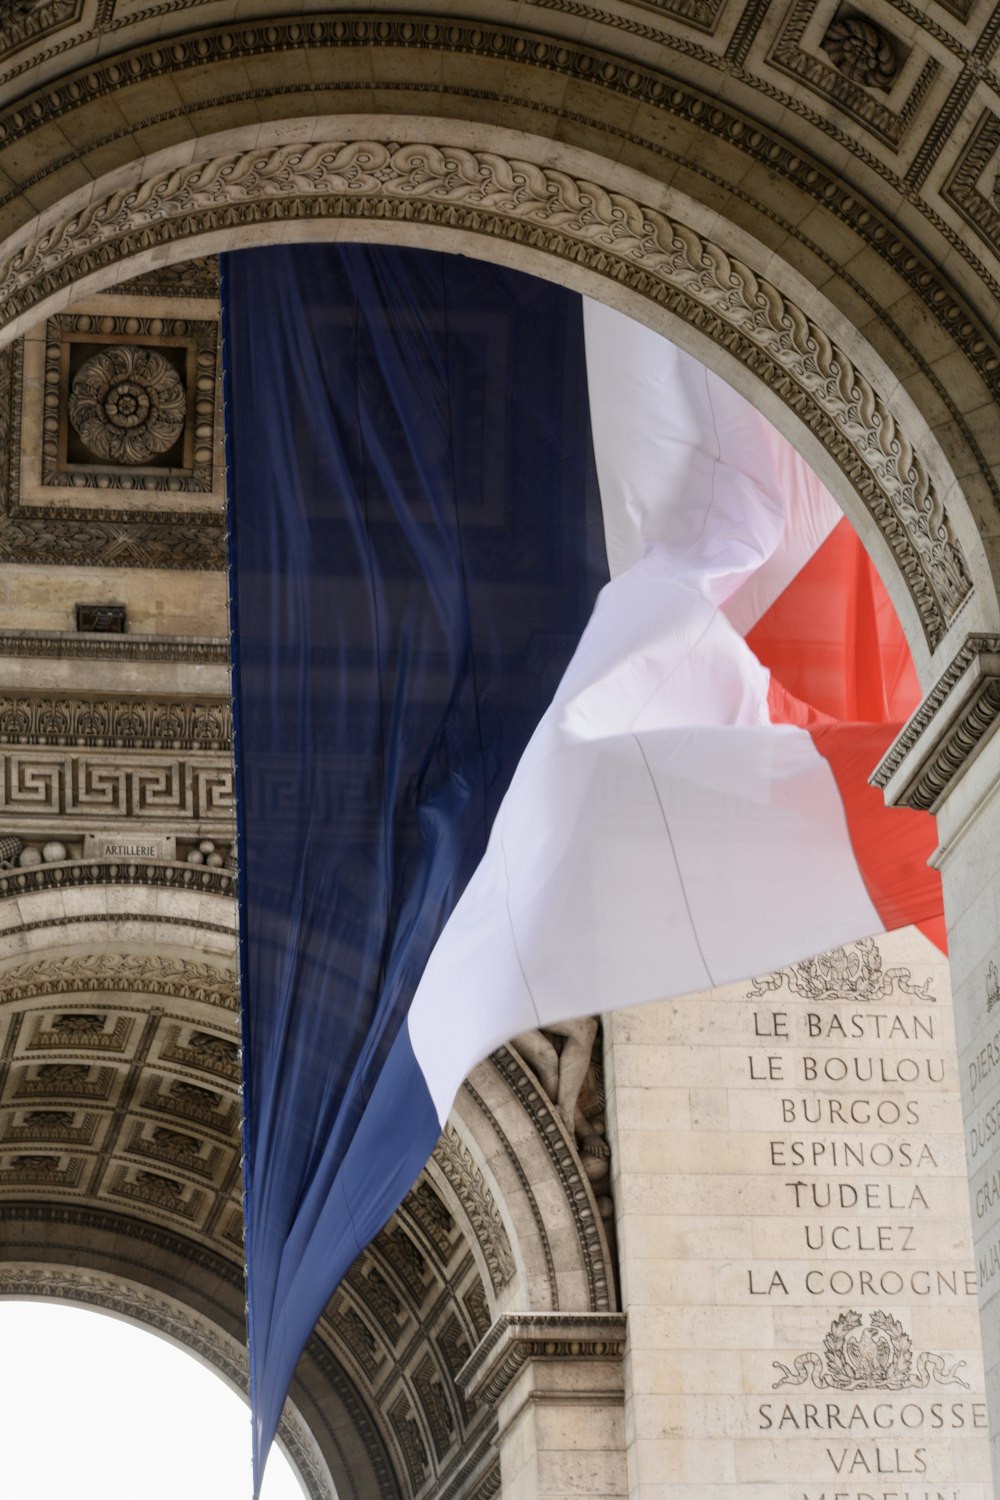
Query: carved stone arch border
x,y
509,1161
177,1323
569,226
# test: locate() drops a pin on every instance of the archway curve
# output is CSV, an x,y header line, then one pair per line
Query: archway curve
x,y
119,1157
172,1320
615,234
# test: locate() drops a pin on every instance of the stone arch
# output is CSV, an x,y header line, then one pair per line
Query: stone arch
x,y
120,1175
617,235
172,1319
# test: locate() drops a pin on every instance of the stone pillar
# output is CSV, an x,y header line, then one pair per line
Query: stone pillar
x,y
948,761
794,1237
556,1382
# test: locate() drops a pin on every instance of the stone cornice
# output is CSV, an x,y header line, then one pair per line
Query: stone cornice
x,y
174,875
516,1338
943,737
199,650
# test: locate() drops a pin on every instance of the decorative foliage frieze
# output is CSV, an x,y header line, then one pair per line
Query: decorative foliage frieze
x,y
571,218
876,1358
125,722
466,1180
853,973
120,973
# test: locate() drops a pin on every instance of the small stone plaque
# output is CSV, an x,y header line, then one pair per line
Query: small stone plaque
x,y
129,846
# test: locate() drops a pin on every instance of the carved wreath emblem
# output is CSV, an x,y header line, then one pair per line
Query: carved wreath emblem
x,y
127,404
851,973
876,1358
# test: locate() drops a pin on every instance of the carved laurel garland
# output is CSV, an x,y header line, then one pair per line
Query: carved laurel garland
x,y
138,973
138,1305
574,219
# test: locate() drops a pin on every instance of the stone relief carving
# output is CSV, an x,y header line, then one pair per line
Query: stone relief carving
x,y
879,1357
127,404
114,871
126,722
992,986
456,1162
853,973
411,1440
609,232
141,973
21,21
169,388
569,1068
862,51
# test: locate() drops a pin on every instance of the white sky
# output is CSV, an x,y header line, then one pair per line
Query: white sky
x,y
103,1410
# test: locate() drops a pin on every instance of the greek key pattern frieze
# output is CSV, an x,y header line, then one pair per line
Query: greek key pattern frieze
x,y
92,787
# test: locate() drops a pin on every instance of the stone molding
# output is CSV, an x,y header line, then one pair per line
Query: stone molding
x,y
565,1159
96,872
949,729
209,1344
193,650
462,1174
573,219
516,1338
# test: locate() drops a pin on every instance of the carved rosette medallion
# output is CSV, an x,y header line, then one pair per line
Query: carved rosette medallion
x,y
127,404
861,51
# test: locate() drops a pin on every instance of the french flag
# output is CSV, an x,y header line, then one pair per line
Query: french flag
x,y
558,680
